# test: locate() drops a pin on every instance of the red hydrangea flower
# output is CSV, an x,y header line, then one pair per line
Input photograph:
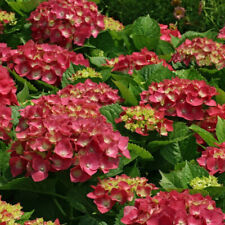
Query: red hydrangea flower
x,y
166,32
40,221
137,60
42,61
56,133
119,189
180,97
64,22
142,119
99,93
203,51
213,159
169,208
7,88
222,33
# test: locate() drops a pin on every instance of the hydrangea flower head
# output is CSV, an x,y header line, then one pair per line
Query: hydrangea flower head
x,y
57,133
111,24
221,33
203,51
204,182
143,118
40,221
166,32
119,189
64,22
98,93
42,61
169,208
137,60
86,73
213,159
180,97
6,18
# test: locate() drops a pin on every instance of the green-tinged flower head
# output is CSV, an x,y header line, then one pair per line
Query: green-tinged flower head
x,y
204,182
40,221
111,24
141,119
9,213
7,18
86,73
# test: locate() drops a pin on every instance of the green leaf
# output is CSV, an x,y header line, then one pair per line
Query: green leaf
x,y
220,130
204,134
190,74
220,98
87,219
111,112
164,48
23,95
45,86
182,177
22,81
128,95
155,73
140,151
98,61
26,216
145,33
119,216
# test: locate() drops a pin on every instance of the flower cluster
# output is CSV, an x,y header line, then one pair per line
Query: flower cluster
x,y
86,73
222,33
92,92
65,22
5,122
42,61
213,159
6,18
119,189
7,88
40,221
111,24
5,52
204,182
180,97
143,118
203,51
57,133
170,208
9,213
137,60
166,32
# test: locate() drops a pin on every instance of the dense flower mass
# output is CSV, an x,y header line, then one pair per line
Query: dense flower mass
x,y
166,32
204,182
142,119
65,22
92,92
137,60
222,33
111,24
213,159
58,133
169,208
41,61
5,122
180,97
9,213
119,189
85,73
6,18
203,51
7,88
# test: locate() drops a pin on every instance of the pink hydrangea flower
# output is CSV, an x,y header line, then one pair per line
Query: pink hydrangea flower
x,y
203,51
119,189
137,60
180,97
170,208
64,22
41,61
222,33
166,32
